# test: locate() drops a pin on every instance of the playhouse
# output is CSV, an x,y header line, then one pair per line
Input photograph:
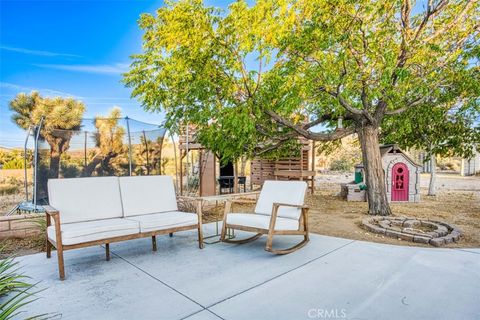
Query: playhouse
x,y
215,178
402,177
402,174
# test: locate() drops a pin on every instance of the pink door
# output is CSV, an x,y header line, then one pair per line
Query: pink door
x,y
400,182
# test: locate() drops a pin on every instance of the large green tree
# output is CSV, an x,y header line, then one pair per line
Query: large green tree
x,y
254,77
60,116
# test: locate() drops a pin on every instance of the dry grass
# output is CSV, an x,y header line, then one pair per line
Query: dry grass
x,y
21,247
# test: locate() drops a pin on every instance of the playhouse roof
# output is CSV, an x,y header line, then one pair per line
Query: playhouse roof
x,y
394,148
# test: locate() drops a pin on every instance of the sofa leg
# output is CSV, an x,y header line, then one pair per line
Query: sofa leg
x,y
154,243
61,264
49,249
170,234
107,251
200,237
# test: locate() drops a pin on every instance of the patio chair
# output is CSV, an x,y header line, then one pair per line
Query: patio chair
x,y
279,211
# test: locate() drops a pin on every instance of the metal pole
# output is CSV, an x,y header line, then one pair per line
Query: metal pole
x,y
146,150
37,135
25,163
129,148
85,153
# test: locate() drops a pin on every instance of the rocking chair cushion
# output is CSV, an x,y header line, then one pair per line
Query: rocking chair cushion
x,y
288,192
261,221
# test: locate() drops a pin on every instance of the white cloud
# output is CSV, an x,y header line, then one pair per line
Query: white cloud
x,y
116,68
38,52
44,91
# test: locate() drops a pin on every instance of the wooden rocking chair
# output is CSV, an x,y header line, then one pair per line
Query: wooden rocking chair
x,y
280,210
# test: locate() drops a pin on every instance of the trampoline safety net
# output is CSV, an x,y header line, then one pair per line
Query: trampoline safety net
x,y
100,147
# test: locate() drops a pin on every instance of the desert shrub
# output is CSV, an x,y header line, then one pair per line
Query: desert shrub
x,y
14,164
6,189
452,166
341,165
13,159
70,170
193,182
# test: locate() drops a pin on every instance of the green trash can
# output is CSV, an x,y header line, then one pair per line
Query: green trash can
x,y
358,174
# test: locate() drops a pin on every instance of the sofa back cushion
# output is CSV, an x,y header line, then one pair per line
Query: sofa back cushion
x,y
147,194
85,199
289,192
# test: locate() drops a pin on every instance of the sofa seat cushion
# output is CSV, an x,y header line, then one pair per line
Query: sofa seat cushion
x,y
81,232
261,221
165,220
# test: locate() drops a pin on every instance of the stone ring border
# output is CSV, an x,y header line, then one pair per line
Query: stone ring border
x,y
443,233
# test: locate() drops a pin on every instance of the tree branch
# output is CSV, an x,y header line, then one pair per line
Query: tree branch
x,y
330,136
342,101
453,22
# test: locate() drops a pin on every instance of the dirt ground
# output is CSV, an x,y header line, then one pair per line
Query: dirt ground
x,y
457,202
330,215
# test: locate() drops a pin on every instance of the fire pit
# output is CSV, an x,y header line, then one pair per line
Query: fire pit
x,y
431,232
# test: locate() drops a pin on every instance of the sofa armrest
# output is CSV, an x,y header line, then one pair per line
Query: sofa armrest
x,y
51,211
198,205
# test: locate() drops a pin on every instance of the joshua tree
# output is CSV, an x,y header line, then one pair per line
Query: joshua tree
x,y
61,116
109,141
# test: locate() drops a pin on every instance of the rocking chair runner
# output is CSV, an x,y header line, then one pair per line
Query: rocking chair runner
x,y
280,210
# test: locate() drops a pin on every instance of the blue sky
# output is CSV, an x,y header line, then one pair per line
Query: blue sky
x,y
69,48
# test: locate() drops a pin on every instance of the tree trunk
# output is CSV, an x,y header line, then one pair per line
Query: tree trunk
x,y
433,176
54,164
374,174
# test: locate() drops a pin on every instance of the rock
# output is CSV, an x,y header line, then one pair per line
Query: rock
x,y
410,223
437,242
406,236
421,239
441,231
392,233
374,228
448,239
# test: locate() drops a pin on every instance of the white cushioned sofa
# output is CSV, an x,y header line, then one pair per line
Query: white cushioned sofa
x,y
101,210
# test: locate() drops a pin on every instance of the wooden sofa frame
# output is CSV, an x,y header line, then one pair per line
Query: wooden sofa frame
x,y
302,227
52,213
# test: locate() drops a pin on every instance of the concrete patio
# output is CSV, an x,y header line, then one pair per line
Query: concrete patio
x,y
331,278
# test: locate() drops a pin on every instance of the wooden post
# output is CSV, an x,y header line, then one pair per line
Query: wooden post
x,y
235,177
49,245
181,174
200,233
200,172
59,245
313,166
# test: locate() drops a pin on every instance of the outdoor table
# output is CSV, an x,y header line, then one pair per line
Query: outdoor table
x,y
223,198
